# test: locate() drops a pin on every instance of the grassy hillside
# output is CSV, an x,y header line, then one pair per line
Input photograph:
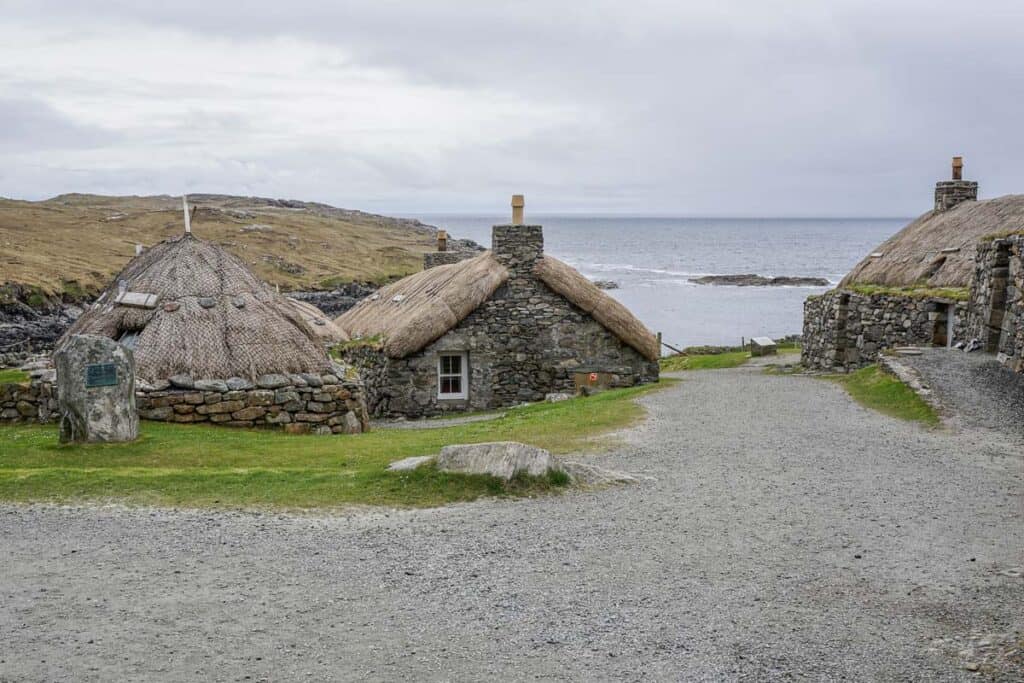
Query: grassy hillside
x,y
76,243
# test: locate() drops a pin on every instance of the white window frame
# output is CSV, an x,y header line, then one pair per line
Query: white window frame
x,y
463,375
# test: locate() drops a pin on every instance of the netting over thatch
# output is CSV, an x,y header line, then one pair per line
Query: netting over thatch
x,y
416,310
325,328
568,282
213,318
938,248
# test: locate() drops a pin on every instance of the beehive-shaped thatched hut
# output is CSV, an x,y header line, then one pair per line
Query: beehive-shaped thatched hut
x,y
506,326
946,279
188,307
938,249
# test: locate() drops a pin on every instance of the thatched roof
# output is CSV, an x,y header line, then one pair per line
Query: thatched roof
x,y
212,317
413,312
416,310
615,317
938,248
325,328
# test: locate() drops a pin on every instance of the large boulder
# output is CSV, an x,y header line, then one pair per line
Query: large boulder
x,y
96,390
502,459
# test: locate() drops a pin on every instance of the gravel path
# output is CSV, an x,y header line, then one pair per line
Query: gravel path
x,y
976,389
788,534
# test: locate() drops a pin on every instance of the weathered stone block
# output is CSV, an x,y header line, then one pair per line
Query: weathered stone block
x,y
278,418
210,385
310,417
184,408
272,381
285,396
182,381
250,413
194,398
96,390
260,397
220,408
317,407
158,414
239,384
297,428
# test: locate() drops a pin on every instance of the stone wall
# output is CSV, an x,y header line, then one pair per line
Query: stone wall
x,y
997,300
34,401
321,404
949,193
297,404
844,329
433,259
524,342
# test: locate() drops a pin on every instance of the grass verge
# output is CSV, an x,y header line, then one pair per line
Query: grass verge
x,y
14,376
879,391
205,466
715,357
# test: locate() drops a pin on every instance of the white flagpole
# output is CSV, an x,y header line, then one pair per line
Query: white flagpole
x,y
184,204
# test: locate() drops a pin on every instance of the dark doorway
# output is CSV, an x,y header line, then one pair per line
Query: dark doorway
x,y
942,331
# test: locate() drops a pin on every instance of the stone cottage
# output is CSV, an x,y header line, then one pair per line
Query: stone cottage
x,y
215,344
505,326
950,276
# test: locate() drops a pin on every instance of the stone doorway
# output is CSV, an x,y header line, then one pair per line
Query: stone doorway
x,y
999,288
945,322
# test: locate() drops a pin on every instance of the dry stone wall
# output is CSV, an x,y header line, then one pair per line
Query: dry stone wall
x,y
844,329
319,404
997,300
298,404
34,401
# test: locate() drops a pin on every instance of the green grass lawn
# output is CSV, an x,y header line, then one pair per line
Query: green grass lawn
x,y
879,391
698,358
13,376
201,466
711,361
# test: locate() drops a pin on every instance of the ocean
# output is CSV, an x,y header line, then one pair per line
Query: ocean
x,y
653,259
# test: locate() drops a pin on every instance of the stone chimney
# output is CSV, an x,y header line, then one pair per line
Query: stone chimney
x,y
949,193
442,240
517,246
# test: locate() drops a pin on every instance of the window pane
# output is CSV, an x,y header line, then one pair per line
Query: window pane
x,y
446,365
456,384
456,362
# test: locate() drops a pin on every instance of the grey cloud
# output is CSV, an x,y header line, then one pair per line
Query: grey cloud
x,y
30,124
740,108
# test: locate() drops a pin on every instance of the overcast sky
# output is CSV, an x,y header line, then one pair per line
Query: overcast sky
x,y
709,108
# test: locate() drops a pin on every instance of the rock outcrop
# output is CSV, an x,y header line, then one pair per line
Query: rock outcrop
x,y
501,459
751,280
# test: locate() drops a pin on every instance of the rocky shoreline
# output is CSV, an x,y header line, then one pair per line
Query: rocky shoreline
x,y
753,280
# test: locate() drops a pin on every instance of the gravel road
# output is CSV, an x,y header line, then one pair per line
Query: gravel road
x,y
977,391
787,534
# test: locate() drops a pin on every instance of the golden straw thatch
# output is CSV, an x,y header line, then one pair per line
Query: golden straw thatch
x,y
938,248
416,310
212,319
615,317
325,328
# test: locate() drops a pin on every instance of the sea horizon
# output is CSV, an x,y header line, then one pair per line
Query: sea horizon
x,y
652,260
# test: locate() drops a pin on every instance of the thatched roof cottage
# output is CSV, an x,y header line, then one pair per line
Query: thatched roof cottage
x,y
929,284
212,342
506,326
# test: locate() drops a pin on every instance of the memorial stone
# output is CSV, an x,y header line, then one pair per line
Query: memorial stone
x,y
96,390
